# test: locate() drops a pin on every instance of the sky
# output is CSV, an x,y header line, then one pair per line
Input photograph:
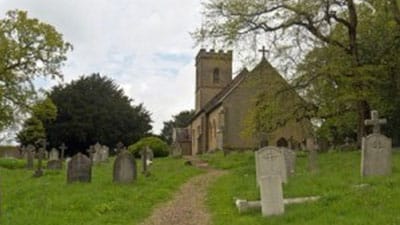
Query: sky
x,y
143,45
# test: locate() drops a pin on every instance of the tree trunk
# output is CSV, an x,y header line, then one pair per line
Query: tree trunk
x,y
394,6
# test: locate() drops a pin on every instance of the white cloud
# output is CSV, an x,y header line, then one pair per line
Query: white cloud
x,y
144,45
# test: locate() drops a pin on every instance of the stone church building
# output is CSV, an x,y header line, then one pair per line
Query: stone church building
x,y
223,104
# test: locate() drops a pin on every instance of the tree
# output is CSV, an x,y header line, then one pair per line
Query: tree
x,y
28,49
42,112
94,109
293,28
179,120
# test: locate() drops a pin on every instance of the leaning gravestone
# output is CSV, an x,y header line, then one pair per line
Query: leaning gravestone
x,y
290,160
376,152
270,161
124,167
79,169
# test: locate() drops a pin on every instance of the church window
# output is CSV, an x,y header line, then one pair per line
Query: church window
x,y
216,75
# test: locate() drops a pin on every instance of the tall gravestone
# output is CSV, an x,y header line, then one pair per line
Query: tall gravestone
x,y
312,154
42,143
376,151
30,156
290,160
270,161
271,173
105,152
97,153
124,167
79,169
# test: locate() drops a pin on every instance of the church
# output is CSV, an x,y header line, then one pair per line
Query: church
x,y
223,104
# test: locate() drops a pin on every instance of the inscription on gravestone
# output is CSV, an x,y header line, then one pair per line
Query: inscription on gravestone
x,y
124,168
79,169
270,161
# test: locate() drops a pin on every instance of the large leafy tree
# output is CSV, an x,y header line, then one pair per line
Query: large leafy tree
x,y
43,111
94,109
179,120
28,49
293,28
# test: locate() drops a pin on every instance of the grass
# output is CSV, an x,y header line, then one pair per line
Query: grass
x,y
336,182
48,200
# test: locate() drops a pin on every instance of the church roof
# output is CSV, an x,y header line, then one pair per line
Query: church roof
x,y
218,99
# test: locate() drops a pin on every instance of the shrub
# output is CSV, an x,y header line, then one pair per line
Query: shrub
x,y
10,163
159,147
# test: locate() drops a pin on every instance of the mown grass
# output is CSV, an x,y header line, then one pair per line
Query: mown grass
x,y
48,200
337,181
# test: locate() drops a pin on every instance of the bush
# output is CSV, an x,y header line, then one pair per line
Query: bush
x,y
159,147
10,163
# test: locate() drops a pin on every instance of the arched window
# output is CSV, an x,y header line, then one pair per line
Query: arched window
x,y
216,75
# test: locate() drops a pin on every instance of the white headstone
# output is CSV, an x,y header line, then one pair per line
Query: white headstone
x,y
271,195
270,161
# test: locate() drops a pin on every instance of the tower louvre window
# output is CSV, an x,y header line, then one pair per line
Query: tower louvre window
x,y
216,75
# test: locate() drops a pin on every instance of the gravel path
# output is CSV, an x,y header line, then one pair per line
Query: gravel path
x,y
188,206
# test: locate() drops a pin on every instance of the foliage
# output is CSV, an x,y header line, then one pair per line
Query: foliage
x,y
29,49
48,200
94,109
342,201
179,120
10,163
347,48
159,147
33,129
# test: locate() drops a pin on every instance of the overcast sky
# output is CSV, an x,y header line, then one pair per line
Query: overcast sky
x,y
143,45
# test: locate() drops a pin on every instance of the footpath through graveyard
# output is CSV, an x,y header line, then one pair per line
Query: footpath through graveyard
x,y
188,206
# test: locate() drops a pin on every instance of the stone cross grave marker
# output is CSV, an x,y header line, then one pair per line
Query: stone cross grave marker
x,y
63,147
91,152
119,147
41,153
376,149
124,168
30,156
270,161
79,169
290,160
271,173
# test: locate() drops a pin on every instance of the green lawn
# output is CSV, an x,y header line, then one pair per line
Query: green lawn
x,y
342,201
48,200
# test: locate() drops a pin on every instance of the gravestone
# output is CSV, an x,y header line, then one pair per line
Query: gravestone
x,y
30,156
105,153
42,143
290,160
79,169
376,151
97,153
91,152
124,168
271,195
146,154
54,154
63,147
270,161
312,156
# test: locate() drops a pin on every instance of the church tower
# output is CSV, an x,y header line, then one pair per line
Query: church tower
x,y
213,73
